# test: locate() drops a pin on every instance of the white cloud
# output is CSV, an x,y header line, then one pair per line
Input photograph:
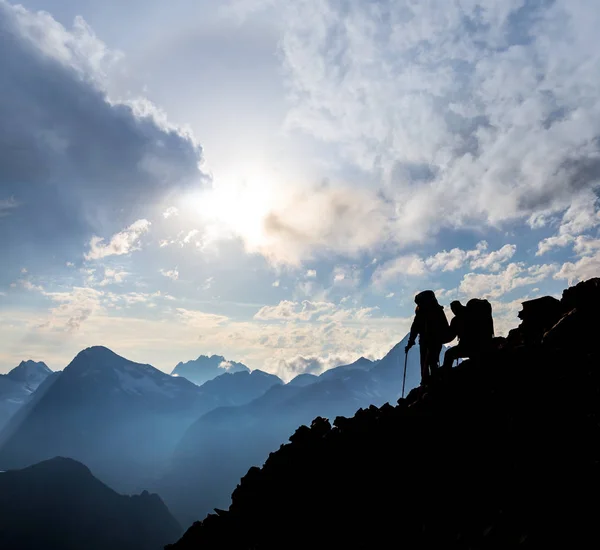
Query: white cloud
x,y
172,274
189,236
112,276
557,241
70,264
275,283
346,276
287,310
494,260
584,268
208,283
311,273
390,295
200,319
28,285
474,114
585,245
389,272
121,243
169,212
75,308
495,285
582,215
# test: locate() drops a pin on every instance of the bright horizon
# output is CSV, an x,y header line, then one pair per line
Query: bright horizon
x,y
274,182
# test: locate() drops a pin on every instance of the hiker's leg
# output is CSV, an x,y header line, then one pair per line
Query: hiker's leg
x,y
450,356
433,358
424,366
454,353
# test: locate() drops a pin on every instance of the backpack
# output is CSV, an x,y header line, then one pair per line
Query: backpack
x,y
480,323
436,323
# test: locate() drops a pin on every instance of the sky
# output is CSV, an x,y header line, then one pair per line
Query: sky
x,y
274,181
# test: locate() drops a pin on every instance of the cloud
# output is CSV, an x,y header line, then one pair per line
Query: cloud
x,y
169,212
515,275
582,215
172,274
7,205
411,265
75,159
275,283
112,276
584,268
469,114
75,308
200,319
121,243
311,273
494,260
28,285
304,224
287,310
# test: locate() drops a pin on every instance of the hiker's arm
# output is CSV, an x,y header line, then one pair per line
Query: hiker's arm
x,y
414,331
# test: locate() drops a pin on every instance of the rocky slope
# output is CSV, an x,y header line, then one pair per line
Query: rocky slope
x,y
503,452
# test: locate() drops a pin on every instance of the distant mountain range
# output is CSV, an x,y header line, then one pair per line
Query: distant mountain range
x,y
139,428
17,386
58,504
120,418
207,368
221,445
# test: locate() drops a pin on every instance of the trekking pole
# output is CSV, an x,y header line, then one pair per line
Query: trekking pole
x,y
404,377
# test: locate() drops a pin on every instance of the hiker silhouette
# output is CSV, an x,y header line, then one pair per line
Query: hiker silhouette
x,y
431,325
473,325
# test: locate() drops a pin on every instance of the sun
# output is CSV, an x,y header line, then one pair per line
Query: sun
x,y
237,205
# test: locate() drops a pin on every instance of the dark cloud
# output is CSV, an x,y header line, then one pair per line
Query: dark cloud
x,y
75,162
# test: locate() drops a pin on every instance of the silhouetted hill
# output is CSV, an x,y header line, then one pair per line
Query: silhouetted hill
x,y
502,452
206,368
58,504
17,386
121,418
221,445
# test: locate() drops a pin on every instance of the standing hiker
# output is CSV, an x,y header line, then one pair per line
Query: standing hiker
x,y
431,325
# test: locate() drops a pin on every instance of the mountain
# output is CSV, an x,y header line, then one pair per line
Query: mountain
x,y
121,418
206,368
221,445
59,504
501,452
304,379
17,386
360,364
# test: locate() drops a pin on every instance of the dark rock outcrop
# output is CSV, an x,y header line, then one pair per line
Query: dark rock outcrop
x,y
499,453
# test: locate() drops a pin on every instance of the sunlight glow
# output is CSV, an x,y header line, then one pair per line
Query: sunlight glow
x,y
237,205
